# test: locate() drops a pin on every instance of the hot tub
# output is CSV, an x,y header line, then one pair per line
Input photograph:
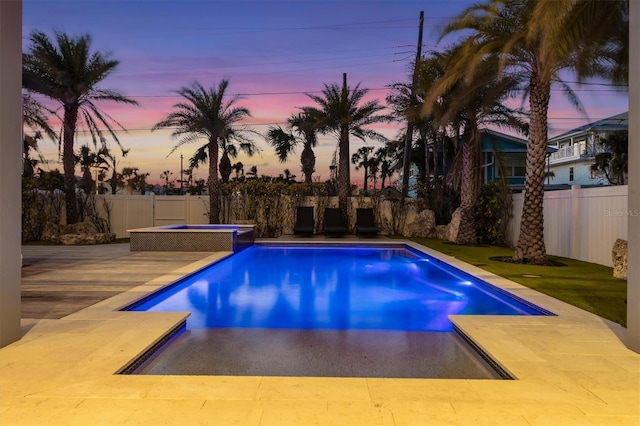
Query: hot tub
x,y
192,238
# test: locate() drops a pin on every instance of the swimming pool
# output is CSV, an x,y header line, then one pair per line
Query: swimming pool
x,y
332,287
326,310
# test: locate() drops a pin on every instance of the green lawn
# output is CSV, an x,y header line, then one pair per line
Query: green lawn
x,y
586,285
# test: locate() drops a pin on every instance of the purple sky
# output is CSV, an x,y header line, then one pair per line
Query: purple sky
x,y
272,53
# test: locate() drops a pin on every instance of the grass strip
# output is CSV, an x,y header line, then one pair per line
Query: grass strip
x,y
588,286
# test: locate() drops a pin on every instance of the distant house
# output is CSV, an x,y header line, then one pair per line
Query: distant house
x,y
505,154
413,180
500,154
577,148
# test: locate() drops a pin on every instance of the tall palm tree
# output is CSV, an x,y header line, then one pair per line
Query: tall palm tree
x,y
300,130
206,114
69,73
469,106
362,158
536,40
339,112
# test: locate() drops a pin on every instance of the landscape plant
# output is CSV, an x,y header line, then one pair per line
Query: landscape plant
x,y
68,72
492,213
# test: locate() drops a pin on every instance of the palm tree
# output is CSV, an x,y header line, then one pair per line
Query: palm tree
x,y
238,168
87,160
33,116
362,159
229,149
69,73
166,176
300,131
111,162
427,141
30,143
253,172
338,112
133,180
614,161
469,106
535,40
206,114
374,170
385,157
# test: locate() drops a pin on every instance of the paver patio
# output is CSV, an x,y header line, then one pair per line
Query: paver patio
x,y
572,369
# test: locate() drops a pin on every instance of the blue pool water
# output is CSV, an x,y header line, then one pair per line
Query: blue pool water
x,y
332,287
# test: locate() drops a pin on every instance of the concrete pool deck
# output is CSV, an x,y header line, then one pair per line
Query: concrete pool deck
x,y
572,369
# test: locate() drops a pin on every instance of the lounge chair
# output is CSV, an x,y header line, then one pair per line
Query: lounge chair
x,y
333,223
365,223
305,223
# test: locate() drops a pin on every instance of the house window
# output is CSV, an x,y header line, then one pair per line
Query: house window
x,y
570,174
514,166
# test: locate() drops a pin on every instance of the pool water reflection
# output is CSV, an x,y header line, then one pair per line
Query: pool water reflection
x,y
332,288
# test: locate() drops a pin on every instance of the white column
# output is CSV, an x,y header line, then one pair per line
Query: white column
x,y
10,168
633,271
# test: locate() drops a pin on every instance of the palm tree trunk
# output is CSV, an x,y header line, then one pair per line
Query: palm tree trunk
x,y
114,181
530,247
213,182
308,160
69,166
344,179
366,178
468,191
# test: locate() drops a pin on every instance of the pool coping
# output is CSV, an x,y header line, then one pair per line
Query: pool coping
x,y
571,369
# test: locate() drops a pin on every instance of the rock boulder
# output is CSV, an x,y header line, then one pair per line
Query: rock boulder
x,y
619,257
423,226
454,226
83,233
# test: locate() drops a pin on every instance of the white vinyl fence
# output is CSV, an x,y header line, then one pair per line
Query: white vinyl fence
x,y
144,211
580,223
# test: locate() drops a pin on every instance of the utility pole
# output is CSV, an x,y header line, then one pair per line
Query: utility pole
x,y
406,165
181,180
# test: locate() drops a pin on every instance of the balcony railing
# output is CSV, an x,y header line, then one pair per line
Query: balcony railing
x,y
568,153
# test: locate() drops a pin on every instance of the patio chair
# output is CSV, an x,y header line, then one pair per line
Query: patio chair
x,y
365,223
305,224
333,223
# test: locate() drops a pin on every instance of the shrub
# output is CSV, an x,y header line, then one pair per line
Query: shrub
x,y
493,211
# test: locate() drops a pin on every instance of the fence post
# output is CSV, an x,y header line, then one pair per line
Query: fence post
x,y
153,207
575,231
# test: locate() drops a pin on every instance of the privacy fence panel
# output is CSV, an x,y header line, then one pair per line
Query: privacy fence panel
x,y
129,212
580,223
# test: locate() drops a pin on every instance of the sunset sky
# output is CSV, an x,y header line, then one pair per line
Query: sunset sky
x,y
272,52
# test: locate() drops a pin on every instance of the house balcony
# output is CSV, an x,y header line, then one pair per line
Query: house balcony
x,y
569,153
